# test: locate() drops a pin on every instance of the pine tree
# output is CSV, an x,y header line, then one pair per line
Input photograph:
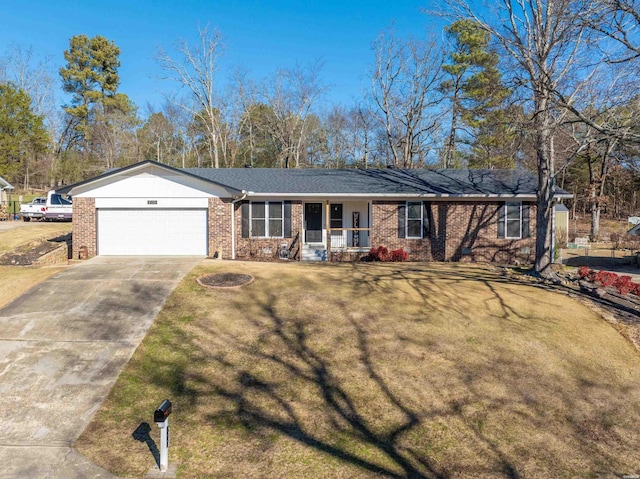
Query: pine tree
x,y
23,136
477,97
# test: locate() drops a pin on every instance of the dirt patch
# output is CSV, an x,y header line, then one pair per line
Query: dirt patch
x,y
30,253
225,280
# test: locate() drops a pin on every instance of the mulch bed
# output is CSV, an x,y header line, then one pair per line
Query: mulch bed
x,y
28,254
225,280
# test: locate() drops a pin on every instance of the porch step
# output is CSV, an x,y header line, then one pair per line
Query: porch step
x,y
314,253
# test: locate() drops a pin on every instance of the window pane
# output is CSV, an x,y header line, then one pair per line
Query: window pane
x,y
336,212
257,210
275,227
335,220
513,229
414,228
275,210
414,211
513,211
257,227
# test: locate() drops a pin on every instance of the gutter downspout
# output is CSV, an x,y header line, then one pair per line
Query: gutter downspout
x,y
233,222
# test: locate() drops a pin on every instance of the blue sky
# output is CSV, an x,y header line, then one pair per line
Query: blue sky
x,y
260,36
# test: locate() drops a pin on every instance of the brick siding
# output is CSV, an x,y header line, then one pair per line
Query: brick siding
x,y
267,248
460,231
84,227
220,228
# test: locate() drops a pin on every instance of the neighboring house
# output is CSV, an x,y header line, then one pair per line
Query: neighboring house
x,y
561,223
5,187
306,214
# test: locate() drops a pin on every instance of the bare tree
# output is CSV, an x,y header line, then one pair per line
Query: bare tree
x,y
33,74
619,21
194,68
291,95
405,91
545,41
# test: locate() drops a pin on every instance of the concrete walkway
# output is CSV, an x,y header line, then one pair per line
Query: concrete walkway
x,y
62,347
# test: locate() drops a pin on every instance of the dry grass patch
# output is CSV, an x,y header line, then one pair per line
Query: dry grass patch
x,y
376,370
31,233
16,280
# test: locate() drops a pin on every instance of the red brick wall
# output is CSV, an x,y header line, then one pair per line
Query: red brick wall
x,y
254,248
220,228
460,231
84,227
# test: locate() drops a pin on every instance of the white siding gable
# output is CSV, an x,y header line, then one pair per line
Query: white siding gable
x,y
151,185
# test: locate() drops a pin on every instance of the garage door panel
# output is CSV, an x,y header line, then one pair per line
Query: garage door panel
x,y
150,232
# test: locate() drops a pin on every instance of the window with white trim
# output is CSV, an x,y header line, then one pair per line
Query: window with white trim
x,y
414,219
513,220
267,219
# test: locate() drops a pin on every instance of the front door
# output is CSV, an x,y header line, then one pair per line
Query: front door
x,y
313,222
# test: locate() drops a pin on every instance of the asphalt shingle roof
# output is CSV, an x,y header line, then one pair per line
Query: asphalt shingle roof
x,y
442,182
350,181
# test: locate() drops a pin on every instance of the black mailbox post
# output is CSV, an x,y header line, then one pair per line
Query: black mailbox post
x,y
161,418
163,411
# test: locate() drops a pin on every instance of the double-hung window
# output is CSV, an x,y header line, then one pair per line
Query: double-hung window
x,y
513,220
267,219
414,219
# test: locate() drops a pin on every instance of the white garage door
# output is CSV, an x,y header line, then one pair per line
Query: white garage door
x,y
152,232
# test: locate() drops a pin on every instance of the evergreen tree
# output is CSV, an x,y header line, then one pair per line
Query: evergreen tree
x,y
23,136
477,96
91,77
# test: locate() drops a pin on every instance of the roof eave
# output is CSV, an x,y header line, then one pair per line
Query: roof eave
x,y
144,164
391,195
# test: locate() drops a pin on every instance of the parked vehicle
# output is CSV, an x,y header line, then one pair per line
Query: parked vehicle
x,y
54,207
58,207
33,210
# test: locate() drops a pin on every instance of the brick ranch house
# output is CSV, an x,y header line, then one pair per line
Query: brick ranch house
x,y
306,214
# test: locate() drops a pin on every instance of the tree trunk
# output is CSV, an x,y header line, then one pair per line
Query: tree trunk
x,y
595,220
543,143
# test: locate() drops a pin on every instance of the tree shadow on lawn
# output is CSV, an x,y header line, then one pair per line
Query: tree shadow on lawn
x,y
400,443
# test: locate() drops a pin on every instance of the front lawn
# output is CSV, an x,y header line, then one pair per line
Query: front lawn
x,y
16,280
31,232
375,370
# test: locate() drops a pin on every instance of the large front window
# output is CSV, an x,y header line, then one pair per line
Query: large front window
x,y
267,219
414,219
513,220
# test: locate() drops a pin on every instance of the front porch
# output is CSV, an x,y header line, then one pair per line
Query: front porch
x,y
331,227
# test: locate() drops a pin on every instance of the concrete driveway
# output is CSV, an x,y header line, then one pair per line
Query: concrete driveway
x,y
62,347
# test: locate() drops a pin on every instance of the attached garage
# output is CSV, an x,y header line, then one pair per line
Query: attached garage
x,y
149,209
138,232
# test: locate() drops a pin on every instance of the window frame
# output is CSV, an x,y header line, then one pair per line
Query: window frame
x,y
267,219
407,219
508,220
333,220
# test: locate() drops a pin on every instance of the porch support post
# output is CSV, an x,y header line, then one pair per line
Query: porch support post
x,y
327,223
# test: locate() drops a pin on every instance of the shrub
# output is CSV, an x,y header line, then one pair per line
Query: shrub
x,y
623,284
399,255
381,253
605,278
584,271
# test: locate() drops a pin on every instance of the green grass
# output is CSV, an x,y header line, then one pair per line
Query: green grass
x,y
376,370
